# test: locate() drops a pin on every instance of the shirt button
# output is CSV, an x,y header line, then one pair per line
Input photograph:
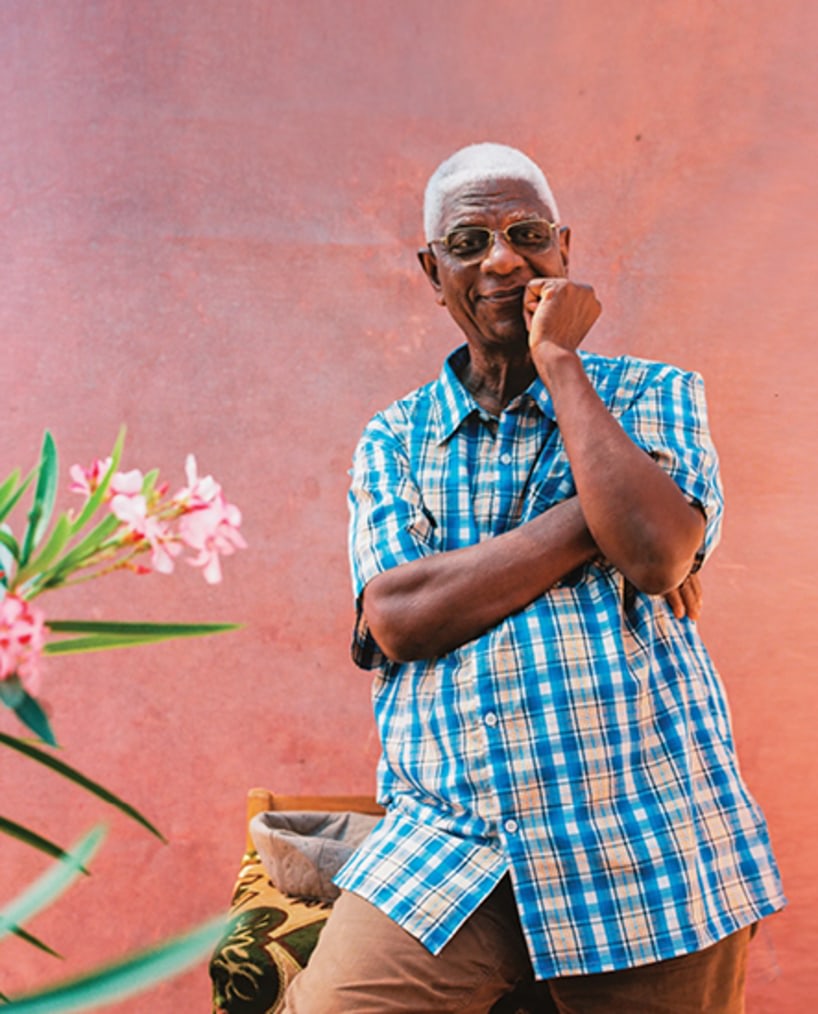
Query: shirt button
x,y
511,826
490,719
505,458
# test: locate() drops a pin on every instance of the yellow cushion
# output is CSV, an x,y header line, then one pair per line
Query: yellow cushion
x,y
270,938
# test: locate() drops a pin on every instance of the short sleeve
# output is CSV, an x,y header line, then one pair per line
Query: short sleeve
x,y
389,524
668,419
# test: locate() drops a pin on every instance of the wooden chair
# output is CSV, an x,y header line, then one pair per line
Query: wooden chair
x,y
261,800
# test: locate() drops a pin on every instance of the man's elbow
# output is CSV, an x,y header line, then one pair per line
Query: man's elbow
x,y
386,619
660,574
661,562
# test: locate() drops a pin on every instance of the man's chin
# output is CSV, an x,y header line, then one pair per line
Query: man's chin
x,y
512,335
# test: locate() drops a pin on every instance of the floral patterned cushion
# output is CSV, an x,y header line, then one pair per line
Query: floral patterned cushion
x,y
269,939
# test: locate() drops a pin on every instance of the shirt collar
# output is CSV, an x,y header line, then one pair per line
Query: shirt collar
x,y
455,403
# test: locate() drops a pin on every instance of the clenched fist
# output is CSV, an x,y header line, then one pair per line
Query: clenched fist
x,y
559,311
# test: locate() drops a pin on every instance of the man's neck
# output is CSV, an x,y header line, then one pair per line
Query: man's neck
x,y
494,381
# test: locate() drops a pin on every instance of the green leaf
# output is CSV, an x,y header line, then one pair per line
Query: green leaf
x,y
149,482
114,627
11,692
52,549
102,636
118,981
29,938
44,495
26,708
81,552
8,540
97,496
29,837
8,486
9,499
66,771
54,882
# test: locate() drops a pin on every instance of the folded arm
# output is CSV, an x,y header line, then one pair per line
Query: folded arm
x,y
434,604
636,514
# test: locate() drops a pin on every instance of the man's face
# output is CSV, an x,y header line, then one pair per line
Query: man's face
x,y
485,297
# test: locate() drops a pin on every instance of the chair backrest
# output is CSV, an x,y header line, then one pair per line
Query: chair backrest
x,y
260,800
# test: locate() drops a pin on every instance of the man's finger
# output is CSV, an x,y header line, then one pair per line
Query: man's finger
x,y
676,602
691,593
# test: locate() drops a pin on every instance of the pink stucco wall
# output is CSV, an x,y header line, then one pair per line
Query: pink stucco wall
x,y
209,215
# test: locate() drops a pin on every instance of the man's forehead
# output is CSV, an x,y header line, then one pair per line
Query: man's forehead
x,y
500,195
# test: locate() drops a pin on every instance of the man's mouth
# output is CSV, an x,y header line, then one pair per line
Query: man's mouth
x,y
502,296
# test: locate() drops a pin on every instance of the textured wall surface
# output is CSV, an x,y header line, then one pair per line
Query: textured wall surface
x,y
210,210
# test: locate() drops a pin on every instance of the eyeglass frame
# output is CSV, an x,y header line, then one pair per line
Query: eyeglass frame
x,y
494,233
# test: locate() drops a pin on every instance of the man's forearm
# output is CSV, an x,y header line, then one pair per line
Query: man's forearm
x,y
637,515
435,604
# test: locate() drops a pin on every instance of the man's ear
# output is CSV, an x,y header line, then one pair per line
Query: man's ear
x,y
428,262
565,243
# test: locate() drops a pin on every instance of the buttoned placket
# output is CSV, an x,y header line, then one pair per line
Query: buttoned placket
x,y
497,714
507,462
474,757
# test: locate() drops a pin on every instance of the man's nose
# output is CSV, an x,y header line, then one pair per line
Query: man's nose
x,y
501,257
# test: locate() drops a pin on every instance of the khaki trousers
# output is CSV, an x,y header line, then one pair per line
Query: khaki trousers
x,y
365,963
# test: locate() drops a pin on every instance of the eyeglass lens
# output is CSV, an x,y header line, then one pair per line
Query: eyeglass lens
x,y
473,241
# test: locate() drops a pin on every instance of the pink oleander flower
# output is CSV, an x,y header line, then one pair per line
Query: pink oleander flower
x,y
128,502
132,510
22,635
127,483
212,531
130,506
200,490
198,516
86,480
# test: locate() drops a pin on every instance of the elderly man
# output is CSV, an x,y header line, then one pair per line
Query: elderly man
x,y
562,792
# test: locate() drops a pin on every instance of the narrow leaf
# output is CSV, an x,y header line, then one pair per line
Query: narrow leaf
x,y
33,717
11,691
149,482
54,882
7,506
29,837
125,978
8,486
115,627
28,711
8,540
52,549
85,645
80,553
66,771
29,938
104,636
44,495
97,496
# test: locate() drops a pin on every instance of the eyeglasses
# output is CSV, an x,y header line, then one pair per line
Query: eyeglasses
x,y
469,243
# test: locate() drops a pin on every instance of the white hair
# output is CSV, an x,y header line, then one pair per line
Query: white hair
x,y
477,163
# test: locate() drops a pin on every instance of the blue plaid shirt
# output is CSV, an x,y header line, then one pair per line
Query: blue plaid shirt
x,y
582,745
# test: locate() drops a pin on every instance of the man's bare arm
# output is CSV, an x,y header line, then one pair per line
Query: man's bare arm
x,y
435,604
635,512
